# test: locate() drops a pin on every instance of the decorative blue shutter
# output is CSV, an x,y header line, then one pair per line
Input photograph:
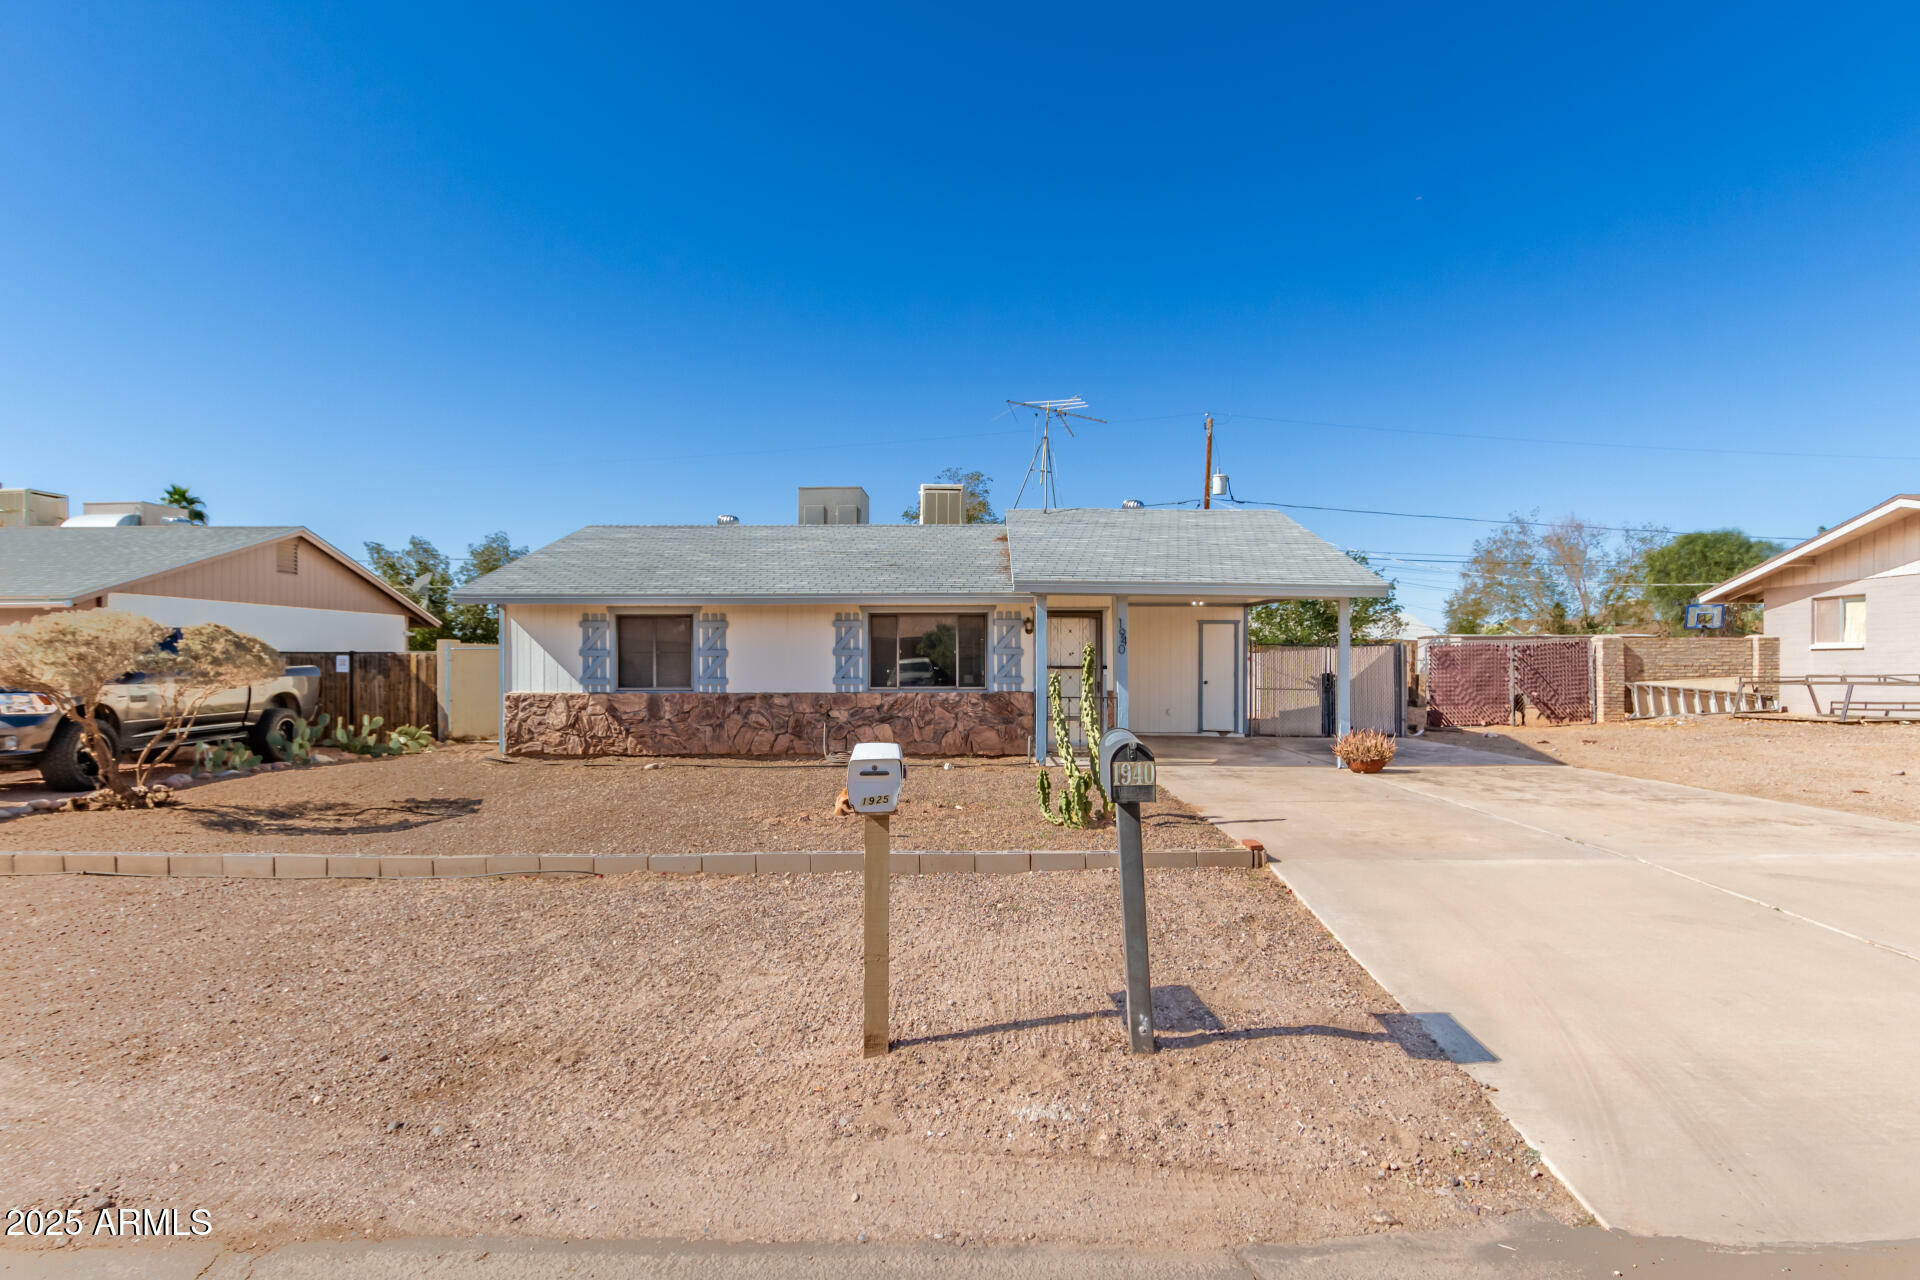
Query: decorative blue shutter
x,y
849,653
596,653
1007,675
710,671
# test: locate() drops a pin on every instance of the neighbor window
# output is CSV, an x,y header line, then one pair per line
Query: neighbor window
x,y
928,651
1840,620
655,652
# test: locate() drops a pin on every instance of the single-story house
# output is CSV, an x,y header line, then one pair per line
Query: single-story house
x,y
1844,602
281,583
793,639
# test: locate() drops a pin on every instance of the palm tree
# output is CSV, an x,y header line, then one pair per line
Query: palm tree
x,y
178,495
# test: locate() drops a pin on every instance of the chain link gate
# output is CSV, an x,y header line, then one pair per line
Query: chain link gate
x,y
1486,682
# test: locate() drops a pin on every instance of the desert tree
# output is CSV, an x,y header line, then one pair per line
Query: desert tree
x,y
188,669
1568,576
69,658
1678,571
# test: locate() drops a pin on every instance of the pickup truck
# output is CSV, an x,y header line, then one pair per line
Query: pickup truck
x,y
34,735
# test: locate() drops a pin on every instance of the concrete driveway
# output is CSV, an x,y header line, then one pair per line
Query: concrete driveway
x,y
1703,1009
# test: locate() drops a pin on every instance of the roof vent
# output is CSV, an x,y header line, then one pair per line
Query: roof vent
x,y
943,504
1133,504
726,519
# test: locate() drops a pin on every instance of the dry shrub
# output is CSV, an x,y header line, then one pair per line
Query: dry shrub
x,y
1365,744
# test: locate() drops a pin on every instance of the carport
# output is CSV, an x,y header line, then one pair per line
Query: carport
x,y
1164,598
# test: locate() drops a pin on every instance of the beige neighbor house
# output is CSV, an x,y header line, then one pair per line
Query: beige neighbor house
x,y
787,640
1845,602
281,583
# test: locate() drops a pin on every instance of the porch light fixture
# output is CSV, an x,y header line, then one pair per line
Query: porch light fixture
x,y
1026,624
1198,603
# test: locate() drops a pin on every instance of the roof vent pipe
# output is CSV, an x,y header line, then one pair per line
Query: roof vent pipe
x,y
1133,504
726,520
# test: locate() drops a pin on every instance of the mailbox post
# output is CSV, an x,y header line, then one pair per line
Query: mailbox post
x,y
875,774
1126,769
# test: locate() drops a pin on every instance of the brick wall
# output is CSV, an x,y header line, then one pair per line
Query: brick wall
x,y
1625,660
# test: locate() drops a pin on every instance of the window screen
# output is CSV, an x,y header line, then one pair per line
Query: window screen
x,y
927,651
655,652
1840,620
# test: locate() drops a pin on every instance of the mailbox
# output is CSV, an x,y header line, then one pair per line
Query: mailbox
x,y
1126,768
875,774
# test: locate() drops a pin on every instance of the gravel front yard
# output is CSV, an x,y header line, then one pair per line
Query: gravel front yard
x,y
662,1056
1872,769
462,799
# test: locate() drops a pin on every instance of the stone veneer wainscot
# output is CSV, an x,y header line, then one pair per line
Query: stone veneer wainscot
x,y
923,722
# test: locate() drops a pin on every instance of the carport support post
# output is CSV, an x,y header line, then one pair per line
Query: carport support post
x,y
1039,679
1133,916
1120,712
878,870
1343,683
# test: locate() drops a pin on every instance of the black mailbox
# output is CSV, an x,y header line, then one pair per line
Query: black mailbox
x,y
1126,768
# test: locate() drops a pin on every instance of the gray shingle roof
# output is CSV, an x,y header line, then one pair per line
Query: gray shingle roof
x,y
616,564
1253,553
62,564
1247,551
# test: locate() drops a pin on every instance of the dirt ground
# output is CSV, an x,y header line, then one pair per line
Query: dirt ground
x,y
664,1056
461,799
1872,769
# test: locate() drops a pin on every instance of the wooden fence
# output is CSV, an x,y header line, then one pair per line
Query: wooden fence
x,y
400,688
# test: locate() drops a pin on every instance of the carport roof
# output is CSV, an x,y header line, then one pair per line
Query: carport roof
x,y
1230,551
1251,555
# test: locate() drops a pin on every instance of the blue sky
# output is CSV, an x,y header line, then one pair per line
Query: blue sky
x,y
464,268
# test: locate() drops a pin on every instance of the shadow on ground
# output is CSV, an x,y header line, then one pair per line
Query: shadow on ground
x,y
333,817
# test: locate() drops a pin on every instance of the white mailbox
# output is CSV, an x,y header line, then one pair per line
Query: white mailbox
x,y
875,774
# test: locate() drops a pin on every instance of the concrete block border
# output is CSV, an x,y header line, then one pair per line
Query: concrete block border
x,y
309,866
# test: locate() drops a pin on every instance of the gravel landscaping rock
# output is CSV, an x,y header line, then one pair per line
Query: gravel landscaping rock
x,y
463,800
656,1056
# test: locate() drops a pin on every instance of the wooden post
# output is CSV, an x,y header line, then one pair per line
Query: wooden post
x,y
879,870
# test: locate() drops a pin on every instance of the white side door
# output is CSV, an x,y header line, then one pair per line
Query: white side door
x,y
1219,677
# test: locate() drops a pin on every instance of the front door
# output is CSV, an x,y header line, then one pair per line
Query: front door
x,y
1219,677
1068,635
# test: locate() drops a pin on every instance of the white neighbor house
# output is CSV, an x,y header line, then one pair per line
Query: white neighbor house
x,y
1845,602
781,639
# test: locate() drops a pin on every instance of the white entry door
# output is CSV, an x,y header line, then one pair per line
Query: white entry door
x,y
1219,677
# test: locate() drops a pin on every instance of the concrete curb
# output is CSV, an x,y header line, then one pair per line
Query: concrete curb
x,y
310,866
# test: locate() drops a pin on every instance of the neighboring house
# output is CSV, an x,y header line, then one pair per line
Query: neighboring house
x,y
281,584
1845,602
791,639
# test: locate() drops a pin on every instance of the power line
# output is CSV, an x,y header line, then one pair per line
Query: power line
x,y
1424,515
1552,440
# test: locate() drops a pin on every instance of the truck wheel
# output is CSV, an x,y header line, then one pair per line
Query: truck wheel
x,y
67,764
273,720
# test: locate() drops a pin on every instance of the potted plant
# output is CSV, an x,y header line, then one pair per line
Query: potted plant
x,y
1364,750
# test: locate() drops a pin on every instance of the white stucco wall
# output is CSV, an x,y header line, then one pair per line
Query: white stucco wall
x,y
1163,665
770,648
1893,631
543,648
285,627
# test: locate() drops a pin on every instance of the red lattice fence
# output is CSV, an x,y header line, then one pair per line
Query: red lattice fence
x,y
1556,678
1475,682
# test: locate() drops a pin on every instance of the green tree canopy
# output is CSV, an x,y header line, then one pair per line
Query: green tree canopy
x,y
1680,570
1318,621
978,508
422,563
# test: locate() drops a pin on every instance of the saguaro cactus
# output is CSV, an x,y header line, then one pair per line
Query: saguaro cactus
x,y
1076,804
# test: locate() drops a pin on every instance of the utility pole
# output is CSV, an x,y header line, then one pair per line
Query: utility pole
x,y
1206,481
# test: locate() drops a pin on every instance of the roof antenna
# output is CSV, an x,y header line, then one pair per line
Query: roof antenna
x,y
1042,462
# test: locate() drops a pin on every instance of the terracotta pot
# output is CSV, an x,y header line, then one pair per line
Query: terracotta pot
x,y
1366,766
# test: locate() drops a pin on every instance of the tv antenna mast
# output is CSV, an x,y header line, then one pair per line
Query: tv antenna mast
x,y
1042,464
